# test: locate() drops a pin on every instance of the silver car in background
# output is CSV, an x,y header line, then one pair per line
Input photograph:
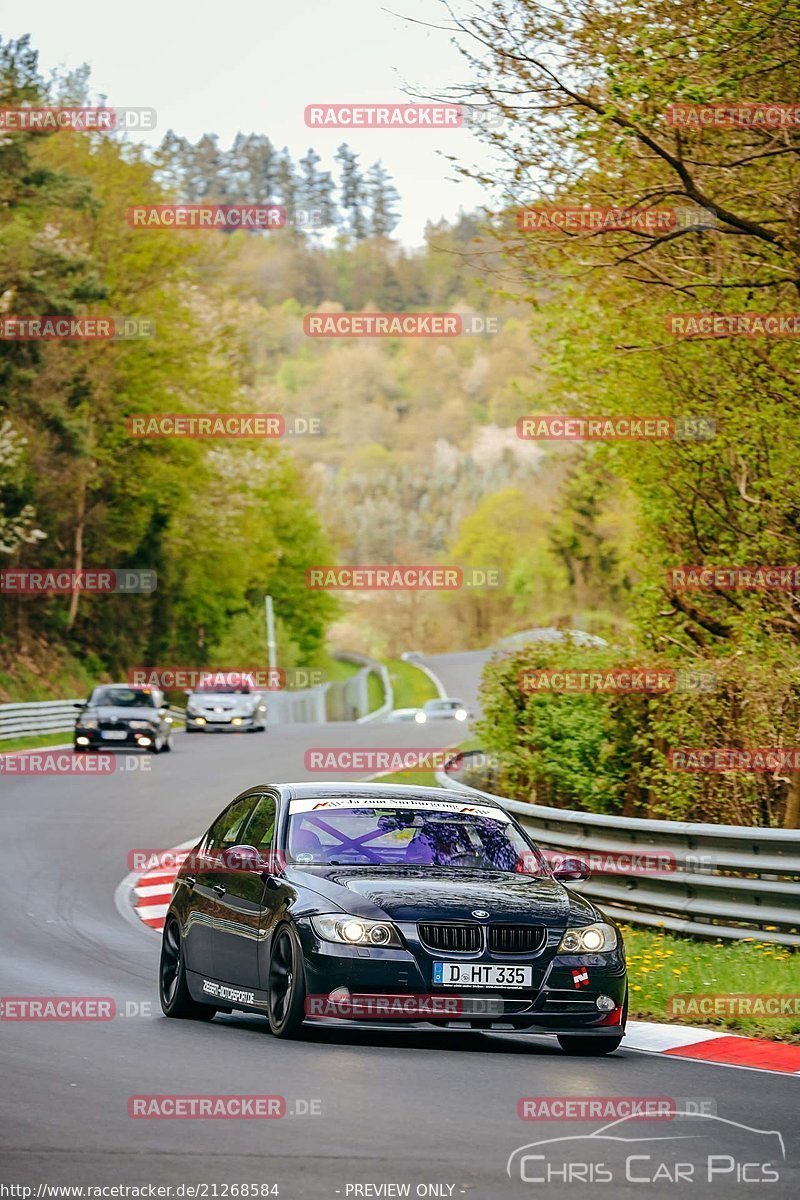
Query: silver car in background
x,y
234,703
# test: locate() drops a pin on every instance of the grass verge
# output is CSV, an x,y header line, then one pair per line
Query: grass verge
x,y
663,965
36,740
412,687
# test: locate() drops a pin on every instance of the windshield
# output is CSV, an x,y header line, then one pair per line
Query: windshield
x,y
222,689
122,697
442,705
413,836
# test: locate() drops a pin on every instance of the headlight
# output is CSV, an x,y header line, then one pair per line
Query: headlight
x,y
461,714
593,939
87,722
140,724
420,718
355,931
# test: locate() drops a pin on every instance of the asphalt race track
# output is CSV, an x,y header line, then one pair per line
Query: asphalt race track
x,y
413,1108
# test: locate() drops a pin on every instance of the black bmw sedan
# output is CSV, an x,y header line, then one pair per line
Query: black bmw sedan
x,y
370,901
119,717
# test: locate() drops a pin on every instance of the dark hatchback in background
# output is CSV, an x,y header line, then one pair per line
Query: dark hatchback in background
x,y
316,900
117,716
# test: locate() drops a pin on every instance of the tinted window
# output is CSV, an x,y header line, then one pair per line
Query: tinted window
x,y
123,697
261,826
421,837
225,831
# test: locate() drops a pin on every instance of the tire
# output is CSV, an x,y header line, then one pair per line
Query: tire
x,y
589,1046
286,1008
173,990
167,747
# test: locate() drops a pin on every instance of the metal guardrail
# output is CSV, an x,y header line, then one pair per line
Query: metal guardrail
x,y
46,716
345,700
360,708
718,881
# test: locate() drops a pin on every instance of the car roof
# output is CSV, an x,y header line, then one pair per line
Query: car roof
x,y
131,687
376,791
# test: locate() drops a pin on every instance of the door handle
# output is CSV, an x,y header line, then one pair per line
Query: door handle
x,y
219,888
190,880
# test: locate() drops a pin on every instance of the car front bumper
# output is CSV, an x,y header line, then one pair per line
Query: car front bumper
x,y
209,724
131,740
362,978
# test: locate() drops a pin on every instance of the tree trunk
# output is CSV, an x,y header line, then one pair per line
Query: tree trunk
x,y
791,817
77,560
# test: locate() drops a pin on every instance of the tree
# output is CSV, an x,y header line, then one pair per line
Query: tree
x,y
352,193
382,197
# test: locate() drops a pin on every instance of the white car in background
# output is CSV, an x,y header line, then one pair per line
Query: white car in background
x,y
447,708
232,703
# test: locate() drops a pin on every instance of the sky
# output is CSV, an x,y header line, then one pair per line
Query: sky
x,y
254,65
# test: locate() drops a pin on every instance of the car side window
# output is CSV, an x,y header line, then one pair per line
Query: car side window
x,y
225,832
261,827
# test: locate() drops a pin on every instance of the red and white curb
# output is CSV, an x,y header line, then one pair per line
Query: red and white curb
x,y
151,891
713,1046
150,895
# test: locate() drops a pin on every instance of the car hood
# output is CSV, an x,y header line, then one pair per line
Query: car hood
x,y
228,702
110,712
434,893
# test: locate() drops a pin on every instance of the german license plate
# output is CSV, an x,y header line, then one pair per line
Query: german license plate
x,y
448,974
113,735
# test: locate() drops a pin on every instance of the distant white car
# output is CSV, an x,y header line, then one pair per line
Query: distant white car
x,y
411,656
447,709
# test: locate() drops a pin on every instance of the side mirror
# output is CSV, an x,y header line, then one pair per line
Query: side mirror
x,y
571,870
79,704
242,858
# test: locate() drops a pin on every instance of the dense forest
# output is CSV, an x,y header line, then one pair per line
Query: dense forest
x,y
418,459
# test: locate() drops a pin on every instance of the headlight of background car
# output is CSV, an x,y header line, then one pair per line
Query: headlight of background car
x,y
355,931
592,939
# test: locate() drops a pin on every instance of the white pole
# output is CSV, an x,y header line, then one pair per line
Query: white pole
x,y
270,633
